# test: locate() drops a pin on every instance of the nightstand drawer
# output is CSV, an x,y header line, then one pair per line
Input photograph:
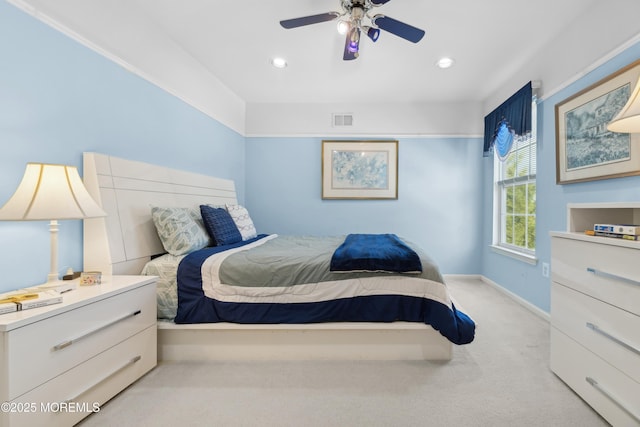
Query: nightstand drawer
x,y
43,350
611,333
607,272
612,394
68,398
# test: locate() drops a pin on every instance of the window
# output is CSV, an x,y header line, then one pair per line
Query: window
x,y
515,194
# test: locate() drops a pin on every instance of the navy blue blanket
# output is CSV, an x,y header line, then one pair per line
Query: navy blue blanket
x,y
375,252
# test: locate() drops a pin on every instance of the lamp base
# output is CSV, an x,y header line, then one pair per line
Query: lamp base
x,y
53,270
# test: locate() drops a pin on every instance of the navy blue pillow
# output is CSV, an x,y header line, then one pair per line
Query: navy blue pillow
x,y
220,225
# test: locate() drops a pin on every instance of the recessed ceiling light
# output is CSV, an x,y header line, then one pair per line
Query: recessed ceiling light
x,y
278,62
445,62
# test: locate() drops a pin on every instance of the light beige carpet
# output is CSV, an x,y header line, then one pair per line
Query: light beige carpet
x,y
501,379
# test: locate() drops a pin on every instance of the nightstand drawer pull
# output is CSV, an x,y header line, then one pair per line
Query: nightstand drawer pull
x,y
618,341
106,377
612,276
611,397
113,322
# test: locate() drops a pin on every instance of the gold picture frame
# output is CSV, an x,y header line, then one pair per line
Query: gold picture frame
x,y
585,149
360,169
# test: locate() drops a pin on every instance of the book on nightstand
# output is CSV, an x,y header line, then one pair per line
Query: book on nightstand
x,y
44,298
8,307
23,300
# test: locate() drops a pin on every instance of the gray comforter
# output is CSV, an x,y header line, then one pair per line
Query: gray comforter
x,y
294,260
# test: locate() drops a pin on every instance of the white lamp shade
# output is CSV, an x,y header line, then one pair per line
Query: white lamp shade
x,y
50,192
628,119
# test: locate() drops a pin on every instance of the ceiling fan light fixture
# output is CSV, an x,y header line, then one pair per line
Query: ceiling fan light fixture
x,y
445,62
353,46
373,33
343,26
354,42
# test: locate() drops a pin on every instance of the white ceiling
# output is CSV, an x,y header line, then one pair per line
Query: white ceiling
x,y
234,40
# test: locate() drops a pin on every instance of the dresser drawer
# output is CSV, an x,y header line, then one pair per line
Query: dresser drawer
x,y
607,272
610,332
611,393
43,350
66,399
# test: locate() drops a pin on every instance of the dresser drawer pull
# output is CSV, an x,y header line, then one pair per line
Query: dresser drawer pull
x,y
612,276
67,343
618,341
611,397
103,379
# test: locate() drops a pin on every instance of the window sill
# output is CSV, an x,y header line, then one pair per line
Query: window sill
x,y
529,259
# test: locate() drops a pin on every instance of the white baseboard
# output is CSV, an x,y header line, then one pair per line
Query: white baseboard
x,y
462,276
526,304
523,302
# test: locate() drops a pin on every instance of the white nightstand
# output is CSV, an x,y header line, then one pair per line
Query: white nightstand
x,y
59,363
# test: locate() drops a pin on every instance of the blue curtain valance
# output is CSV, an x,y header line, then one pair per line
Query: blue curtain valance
x,y
513,114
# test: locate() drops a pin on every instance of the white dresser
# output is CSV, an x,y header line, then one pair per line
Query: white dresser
x,y
59,363
595,314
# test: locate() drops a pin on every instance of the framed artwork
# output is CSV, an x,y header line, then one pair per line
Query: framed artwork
x,y
359,169
585,149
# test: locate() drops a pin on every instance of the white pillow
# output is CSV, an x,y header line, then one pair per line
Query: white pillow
x,y
243,221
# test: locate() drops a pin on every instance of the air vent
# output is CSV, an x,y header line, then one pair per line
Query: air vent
x,y
342,119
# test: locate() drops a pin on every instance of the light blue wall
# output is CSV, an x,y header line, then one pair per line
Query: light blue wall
x,y
525,280
58,99
438,206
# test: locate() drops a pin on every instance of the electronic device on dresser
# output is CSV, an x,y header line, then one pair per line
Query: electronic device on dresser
x,y
60,362
595,311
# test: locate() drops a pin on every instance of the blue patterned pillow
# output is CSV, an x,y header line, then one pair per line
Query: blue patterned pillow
x,y
220,225
179,230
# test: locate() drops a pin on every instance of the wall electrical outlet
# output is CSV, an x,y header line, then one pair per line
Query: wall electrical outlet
x,y
545,269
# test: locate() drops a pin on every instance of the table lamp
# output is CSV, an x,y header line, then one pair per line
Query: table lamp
x,y
628,119
50,192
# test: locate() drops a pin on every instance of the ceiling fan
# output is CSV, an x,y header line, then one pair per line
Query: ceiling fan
x,y
353,21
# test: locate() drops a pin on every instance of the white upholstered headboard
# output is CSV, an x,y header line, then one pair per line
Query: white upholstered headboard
x,y
123,241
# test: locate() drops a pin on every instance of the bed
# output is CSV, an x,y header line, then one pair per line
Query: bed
x,y
203,321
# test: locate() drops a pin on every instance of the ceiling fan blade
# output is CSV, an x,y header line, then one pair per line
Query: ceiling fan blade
x,y
379,2
398,28
351,46
308,20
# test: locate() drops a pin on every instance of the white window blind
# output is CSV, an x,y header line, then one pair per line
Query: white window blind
x,y
515,188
